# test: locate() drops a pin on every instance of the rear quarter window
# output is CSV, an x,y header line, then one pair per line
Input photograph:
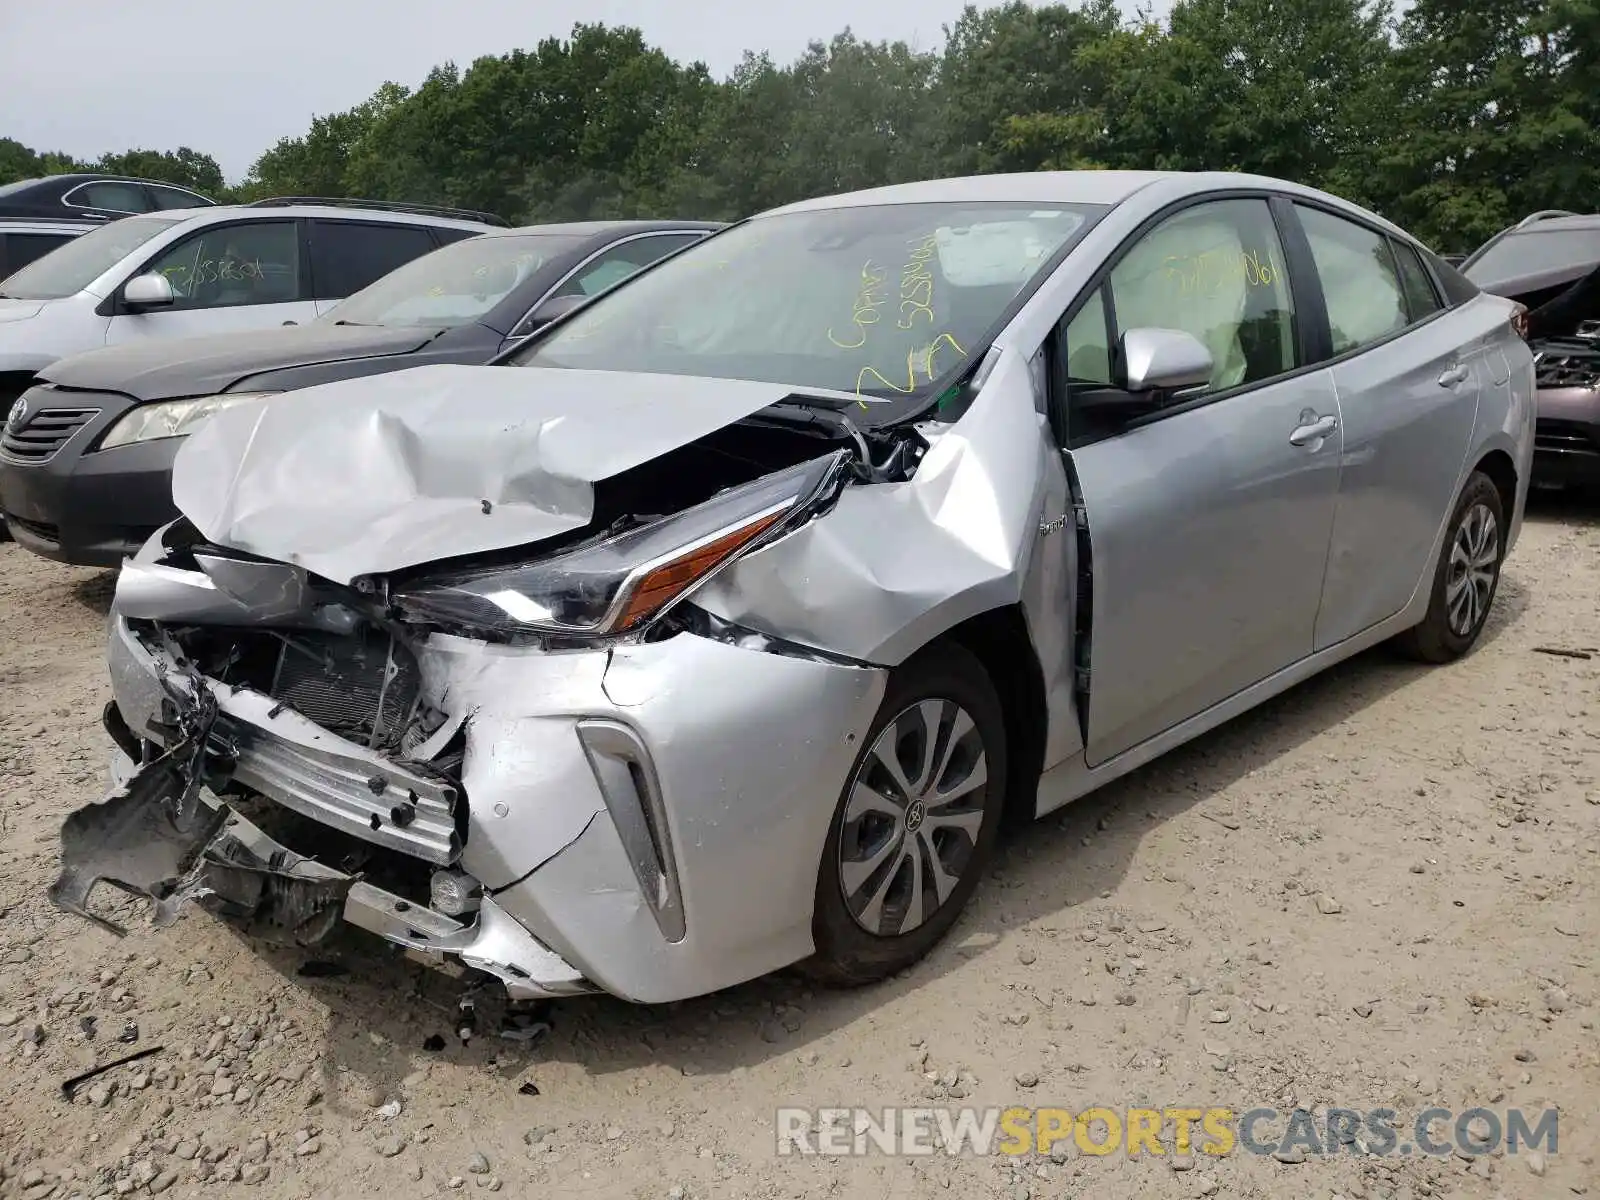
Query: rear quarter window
x,y
1457,288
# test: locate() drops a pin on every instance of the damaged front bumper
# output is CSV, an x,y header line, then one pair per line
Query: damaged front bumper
x,y
159,835
643,819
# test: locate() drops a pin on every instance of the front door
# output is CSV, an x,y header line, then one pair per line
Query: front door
x,y
227,278
1208,523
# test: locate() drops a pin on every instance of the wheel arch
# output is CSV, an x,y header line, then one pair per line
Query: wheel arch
x,y
1502,472
998,638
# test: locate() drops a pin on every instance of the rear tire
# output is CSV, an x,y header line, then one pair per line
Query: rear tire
x,y
915,828
1466,579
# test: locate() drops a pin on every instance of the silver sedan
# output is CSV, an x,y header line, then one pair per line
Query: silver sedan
x,y
717,626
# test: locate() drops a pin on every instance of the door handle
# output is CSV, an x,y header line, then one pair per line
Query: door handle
x,y
1314,432
1457,374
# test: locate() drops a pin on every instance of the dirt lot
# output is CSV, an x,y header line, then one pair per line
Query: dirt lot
x,y
1381,890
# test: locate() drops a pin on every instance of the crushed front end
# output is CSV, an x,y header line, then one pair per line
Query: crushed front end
x,y
1567,441
633,808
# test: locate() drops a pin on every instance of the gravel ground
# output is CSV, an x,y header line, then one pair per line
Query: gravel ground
x,y
1380,889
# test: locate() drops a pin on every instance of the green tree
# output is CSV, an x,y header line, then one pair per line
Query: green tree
x,y
1488,133
1009,61
318,164
184,167
19,162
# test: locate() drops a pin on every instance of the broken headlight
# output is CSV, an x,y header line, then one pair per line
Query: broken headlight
x,y
170,418
624,582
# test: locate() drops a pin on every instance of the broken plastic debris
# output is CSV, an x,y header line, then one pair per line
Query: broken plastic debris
x,y
525,1021
69,1088
129,1034
1562,652
529,1088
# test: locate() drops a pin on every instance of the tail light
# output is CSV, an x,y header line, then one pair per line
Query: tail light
x,y
1519,320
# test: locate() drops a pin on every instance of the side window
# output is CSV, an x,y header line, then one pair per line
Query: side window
x,y
118,197
168,198
619,262
445,235
1362,286
347,256
229,265
24,248
1421,300
1088,348
1216,271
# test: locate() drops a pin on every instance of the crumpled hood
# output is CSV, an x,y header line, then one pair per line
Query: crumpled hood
x,y
374,475
169,368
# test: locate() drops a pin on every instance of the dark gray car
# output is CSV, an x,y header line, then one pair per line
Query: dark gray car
x,y
1550,262
90,489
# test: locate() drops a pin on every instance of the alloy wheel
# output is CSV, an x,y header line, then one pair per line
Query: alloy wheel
x,y
1474,561
913,817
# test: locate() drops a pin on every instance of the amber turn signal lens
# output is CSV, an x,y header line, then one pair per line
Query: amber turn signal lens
x,y
671,579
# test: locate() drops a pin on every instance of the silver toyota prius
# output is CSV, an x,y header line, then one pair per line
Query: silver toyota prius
x,y
717,627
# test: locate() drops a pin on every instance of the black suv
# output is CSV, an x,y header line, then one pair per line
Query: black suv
x,y
94,197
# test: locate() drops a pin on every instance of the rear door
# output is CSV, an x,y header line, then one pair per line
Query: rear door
x,y
228,277
1408,373
348,255
1208,523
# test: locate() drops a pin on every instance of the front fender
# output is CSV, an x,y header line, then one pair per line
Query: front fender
x,y
893,566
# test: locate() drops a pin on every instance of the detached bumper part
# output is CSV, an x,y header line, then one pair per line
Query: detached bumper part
x,y
157,836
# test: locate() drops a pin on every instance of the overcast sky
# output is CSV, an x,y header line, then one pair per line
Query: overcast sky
x,y
231,77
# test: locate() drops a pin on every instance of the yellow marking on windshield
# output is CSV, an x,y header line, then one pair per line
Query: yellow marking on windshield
x,y
916,361
865,310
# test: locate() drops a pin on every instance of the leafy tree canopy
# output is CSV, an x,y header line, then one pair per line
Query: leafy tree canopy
x,y
1453,119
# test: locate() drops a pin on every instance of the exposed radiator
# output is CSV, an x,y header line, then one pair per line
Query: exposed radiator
x,y
362,687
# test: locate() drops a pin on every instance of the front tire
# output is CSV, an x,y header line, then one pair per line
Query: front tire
x,y
916,825
1467,577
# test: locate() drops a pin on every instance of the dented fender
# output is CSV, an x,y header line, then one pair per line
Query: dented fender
x,y
896,564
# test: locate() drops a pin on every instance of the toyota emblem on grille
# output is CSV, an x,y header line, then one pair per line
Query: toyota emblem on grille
x,y
19,414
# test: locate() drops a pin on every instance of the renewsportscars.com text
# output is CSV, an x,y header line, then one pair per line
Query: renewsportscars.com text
x,y
839,1132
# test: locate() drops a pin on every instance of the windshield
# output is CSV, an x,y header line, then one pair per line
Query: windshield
x,y
453,286
1519,255
69,269
880,300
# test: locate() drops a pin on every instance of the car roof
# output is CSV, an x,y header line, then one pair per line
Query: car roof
x,y
596,228
1574,223
1100,188
70,179
195,218
1041,187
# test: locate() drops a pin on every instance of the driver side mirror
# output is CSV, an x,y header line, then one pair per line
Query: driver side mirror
x,y
148,291
1164,361
1153,366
